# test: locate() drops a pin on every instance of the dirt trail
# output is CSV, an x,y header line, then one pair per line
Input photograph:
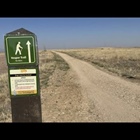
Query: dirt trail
x,y
116,100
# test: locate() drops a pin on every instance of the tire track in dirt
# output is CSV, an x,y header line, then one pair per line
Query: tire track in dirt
x,y
113,97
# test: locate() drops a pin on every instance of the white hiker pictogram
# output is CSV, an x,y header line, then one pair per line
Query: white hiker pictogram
x,y
18,48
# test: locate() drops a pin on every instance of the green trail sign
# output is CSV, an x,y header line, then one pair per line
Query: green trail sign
x,y
21,49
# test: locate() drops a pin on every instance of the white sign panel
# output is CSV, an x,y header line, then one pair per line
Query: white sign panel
x,y
23,81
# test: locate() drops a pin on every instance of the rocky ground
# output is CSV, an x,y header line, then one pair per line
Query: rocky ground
x,y
78,93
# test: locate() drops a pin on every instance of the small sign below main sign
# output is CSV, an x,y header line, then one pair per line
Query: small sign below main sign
x,y
23,81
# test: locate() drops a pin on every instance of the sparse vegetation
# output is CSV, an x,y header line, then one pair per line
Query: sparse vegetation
x,y
60,62
53,69
5,108
46,67
50,61
124,62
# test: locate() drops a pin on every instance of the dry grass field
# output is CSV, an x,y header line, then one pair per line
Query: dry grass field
x,y
124,62
60,94
46,66
53,72
5,108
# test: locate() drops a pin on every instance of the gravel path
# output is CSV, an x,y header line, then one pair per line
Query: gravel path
x,y
115,99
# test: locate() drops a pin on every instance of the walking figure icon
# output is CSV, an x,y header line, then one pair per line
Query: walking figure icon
x,y
18,49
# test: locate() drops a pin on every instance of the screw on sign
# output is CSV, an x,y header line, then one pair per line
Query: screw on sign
x,y
23,73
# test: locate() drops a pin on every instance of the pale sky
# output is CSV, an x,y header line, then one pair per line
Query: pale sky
x,y
76,32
